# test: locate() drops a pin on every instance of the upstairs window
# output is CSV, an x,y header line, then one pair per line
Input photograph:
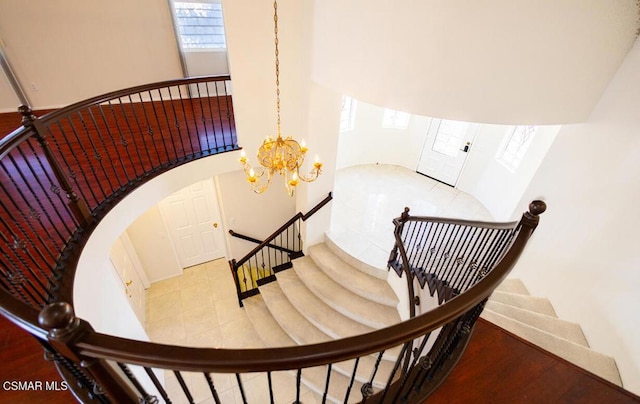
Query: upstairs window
x,y
517,141
348,113
395,119
200,24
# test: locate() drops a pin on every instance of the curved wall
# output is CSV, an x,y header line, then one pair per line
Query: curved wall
x,y
98,296
494,61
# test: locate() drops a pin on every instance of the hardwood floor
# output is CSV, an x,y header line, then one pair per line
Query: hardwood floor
x,y
496,368
21,359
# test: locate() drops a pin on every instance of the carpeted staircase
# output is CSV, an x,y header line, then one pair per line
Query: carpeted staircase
x,y
533,319
321,298
329,294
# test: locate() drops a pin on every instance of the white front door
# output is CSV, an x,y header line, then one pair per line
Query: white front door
x,y
192,218
124,262
446,149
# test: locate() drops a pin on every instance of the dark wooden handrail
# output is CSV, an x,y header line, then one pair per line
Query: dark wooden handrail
x,y
22,315
20,134
246,360
282,228
258,241
68,168
74,338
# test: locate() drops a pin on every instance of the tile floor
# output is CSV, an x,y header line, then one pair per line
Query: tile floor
x,y
200,307
368,197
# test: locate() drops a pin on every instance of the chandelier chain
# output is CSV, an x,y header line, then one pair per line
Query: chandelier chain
x,y
283,156
275,30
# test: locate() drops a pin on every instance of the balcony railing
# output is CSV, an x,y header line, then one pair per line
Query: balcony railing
x,y
63,172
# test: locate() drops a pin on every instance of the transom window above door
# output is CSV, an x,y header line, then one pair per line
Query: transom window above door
x,y
200,24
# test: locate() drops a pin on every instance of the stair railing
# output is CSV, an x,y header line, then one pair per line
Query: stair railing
x,y
62,173
108,359
272,255
447,255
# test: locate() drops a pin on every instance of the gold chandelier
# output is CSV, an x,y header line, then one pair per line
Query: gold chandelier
x,y
282,156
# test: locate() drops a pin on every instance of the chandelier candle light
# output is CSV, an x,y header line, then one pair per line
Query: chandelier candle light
x,y
282,156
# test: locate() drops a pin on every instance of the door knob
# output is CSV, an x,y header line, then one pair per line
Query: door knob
x,y
129,283
215,225
466,147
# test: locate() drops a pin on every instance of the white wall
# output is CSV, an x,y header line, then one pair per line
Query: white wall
x,y
369,143
495,61
64,46
244,211
308,111
584,255
494,185
98,298
153,246
8,100
206,62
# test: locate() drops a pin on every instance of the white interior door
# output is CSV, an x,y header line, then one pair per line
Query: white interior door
x,y
126,268
446,149
192,218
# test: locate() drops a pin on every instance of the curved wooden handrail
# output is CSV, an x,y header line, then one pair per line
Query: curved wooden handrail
x,y
22,315
128,91
37,147
20,134
90,344
244,360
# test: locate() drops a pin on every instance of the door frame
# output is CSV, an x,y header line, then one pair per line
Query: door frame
x,y
171,234
471,134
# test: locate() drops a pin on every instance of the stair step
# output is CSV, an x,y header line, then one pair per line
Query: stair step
x,y
351,278
360,309
266,326
316,311
273,335
596,363
511,285
315,379
380,273
561,328
531,303
294,324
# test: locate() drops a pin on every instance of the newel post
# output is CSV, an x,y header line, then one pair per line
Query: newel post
x,y
64,331
78,206
532,217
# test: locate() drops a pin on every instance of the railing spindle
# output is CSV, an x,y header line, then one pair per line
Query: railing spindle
x,y
215,136
326,384
157,384
270,383
78,206
241,388
184,387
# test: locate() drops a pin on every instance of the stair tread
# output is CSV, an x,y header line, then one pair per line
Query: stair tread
x,y
380,273
565,329
351,278
299,329
512,285
266,326
586,358
342,300
532,303
265,323
315,378
316,311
